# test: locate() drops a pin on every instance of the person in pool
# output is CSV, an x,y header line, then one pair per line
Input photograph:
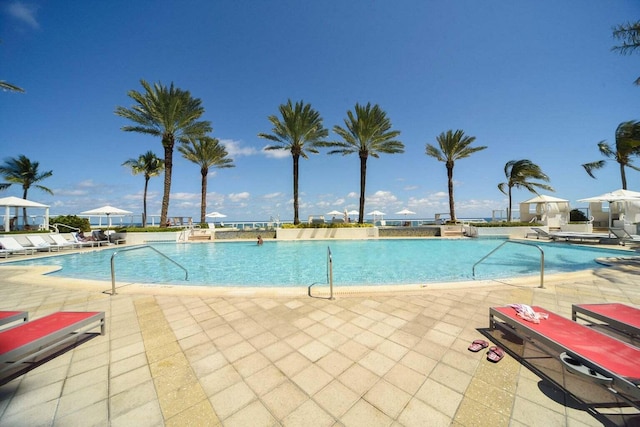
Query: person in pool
x,y
260,240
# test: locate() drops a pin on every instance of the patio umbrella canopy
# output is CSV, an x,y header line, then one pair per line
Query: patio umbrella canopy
x,y
405,212
215,215
106,211
16,202
620,195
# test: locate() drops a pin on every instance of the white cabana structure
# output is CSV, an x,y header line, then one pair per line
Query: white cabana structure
x,y
619,208
17,203
548,210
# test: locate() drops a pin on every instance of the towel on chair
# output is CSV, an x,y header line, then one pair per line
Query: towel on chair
x,y
527,313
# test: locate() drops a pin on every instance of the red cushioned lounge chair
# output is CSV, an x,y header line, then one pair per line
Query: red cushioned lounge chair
x,y
621,317
7,317
30,344
584,351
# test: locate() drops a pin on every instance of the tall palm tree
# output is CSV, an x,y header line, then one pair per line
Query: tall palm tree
x,y
452,146
10,87
630,35
627,145
21,170
206,152
170,113
519,173
300,131
367,132
149,165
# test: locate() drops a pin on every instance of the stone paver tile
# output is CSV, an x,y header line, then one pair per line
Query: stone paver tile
x,y
265,380
418,413
276,351
96,414
262,340
307,414
369,339
219,379
284,399
79,399
22,402
333,339
132,398
298,339
532,414
441,397
251,364
334,363
208,364
231,399
147,414
336,398
452,377
364,414
175,397
473,413
358,379
238,351
40,415
418,362
254,414
312,379
387,398
293,363
125,365
405,378
200,414
353,350
377,363
314,350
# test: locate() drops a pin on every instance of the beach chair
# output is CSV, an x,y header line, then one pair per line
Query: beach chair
x,y
11,246
538,233
593,356
618,316
7,317
624,237
33,343
40,244
61,242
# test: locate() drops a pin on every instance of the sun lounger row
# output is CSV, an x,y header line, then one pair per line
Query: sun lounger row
x,y
31,343
599,358
37,243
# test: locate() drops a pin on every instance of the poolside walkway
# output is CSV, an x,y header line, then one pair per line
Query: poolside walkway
x,y
176,358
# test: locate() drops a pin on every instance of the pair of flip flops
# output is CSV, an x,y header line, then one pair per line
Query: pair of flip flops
x,y
495,354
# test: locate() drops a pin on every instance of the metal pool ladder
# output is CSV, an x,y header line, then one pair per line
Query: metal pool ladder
x,y
133,248
329,275
518,243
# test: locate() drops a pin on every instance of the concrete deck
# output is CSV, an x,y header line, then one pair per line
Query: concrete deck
x,y
196,356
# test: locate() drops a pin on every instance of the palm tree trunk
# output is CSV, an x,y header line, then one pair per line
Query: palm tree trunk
x,y
167,143
452,209
144,201
203,198
623,175
24,210
296,219
363,184
509,211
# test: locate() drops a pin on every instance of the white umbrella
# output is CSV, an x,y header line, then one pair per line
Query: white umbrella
x,y
353,212
334,212
613,196
405,212
216,215
376,214
12,201
106,210
544,199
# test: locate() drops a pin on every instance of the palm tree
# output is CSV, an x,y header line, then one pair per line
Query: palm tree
x,y
149,165
627,145
169,113
518,173
630,35
367,132
206,152
452,146
299,131
10,87
23,171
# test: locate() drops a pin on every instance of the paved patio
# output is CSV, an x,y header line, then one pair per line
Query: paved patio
x,y
196,356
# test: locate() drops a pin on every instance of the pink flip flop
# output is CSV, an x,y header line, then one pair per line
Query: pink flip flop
x,y
495,354
478,345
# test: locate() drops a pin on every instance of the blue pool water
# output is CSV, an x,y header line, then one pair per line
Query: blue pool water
x,y
301,263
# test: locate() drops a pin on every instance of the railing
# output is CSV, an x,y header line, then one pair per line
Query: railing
x,y
519,243
329,275
56,225
133,248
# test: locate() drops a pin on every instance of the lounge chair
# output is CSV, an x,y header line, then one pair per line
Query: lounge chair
x,y
7,317
592,355
30,344
624,237
538,233
11,246
618,316
40,244
61,242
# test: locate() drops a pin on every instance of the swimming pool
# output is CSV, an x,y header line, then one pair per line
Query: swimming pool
x,y
301,263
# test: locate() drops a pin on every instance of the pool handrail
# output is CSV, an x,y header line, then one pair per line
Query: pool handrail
x,y
132,248
329,275
473,270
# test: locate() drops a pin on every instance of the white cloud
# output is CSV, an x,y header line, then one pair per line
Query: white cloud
x,y
186,197
235,150
272,195
238,197
353,195
24,13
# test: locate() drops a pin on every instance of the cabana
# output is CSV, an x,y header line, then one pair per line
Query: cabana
x,y
550,211
622,209
16,202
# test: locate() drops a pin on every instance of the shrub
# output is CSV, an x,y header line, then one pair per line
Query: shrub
x,y
73,221
576,215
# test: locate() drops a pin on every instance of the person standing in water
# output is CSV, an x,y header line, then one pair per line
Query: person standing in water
x,y
260,242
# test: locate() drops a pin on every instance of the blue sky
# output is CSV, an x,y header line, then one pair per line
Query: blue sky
x,y
530,80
